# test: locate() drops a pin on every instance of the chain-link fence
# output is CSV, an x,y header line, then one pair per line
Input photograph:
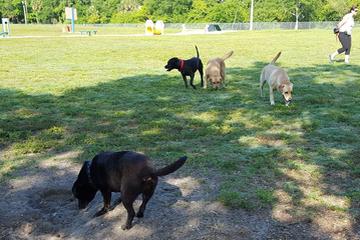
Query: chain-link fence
x,y
233,26
259,25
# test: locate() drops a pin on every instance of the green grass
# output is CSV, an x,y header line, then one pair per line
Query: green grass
x,y
94,94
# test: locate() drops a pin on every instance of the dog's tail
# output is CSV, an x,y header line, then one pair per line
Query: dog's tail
x,y
276,58
170,168
197,52
226,56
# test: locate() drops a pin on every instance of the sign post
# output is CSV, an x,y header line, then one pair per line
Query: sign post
x,y
72,20
5,26
71,14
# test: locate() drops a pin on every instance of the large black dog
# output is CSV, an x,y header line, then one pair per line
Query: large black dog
x,y
127,172
187,68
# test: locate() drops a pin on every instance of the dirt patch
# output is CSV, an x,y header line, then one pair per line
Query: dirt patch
x,y
38,204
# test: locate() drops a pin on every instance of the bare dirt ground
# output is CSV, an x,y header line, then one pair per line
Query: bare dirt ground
x,y
38,204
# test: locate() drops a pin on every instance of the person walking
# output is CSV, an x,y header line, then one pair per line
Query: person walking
x,y
345,30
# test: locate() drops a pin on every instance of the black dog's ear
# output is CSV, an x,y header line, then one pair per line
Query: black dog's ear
x,y
81,178
174,59
84,166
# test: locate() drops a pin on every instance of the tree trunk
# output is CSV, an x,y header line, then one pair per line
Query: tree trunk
x,y
37,18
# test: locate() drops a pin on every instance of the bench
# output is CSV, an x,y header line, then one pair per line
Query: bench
x,y
88,32
4,34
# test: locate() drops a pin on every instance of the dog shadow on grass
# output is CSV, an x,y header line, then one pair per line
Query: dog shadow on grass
x,y
289,168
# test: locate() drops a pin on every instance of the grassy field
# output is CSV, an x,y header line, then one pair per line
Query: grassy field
x,y
112,93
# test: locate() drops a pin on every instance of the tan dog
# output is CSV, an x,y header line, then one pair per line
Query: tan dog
x,y
278,79
215,71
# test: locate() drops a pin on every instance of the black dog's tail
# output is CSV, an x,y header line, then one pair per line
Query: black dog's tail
x,y
170,168
197,52
197,57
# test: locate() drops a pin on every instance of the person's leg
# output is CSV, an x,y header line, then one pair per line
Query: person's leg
x,y
333,55
342,38
344,42
347,52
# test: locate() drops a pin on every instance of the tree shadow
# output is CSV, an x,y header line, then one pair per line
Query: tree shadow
x,y
119,115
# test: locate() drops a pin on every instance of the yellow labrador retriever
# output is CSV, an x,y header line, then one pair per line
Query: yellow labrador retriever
x,y
215,71
278,79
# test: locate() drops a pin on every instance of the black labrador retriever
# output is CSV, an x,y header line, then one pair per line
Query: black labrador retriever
x,y
127,172
187,68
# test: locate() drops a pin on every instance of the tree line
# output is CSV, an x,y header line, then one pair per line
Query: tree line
x,y
175,11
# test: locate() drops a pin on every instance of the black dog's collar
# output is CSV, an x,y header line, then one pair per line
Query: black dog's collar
x,y
88,173
182,64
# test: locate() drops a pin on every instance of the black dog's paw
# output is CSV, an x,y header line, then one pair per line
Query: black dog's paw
x,y
140,215
101,212
126,227
112,208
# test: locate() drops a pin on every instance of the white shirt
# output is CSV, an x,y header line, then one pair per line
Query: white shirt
x,y
347,24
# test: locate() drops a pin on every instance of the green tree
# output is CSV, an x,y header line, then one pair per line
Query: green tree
x,y
229,11
135,16
129,11
104,11
198,12
168,10
129,5
12,9
270,11
36,6
333,10
92,15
